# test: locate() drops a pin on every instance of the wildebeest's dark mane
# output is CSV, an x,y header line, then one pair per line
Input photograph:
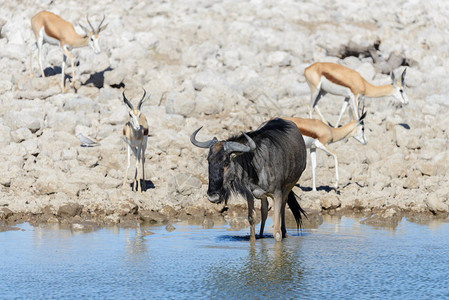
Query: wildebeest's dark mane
x,y
273,132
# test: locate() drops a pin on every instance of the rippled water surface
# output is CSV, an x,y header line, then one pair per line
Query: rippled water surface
x,y
339,260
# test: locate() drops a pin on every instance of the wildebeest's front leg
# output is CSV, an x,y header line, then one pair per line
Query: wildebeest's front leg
x,y
264,214
251,218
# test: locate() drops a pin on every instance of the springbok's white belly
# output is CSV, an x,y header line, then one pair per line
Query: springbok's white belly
x,y
47,38
334,89
308,141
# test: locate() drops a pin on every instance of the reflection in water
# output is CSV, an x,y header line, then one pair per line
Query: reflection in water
x,y
340,259
136,248
268,268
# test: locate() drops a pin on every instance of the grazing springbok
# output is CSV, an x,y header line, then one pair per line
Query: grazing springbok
x,y
336,79
135,134
52,29
259,164
317,135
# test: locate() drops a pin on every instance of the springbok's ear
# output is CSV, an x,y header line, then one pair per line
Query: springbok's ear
x,y
102,28
84,29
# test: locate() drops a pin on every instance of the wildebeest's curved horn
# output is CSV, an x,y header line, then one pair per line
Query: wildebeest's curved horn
x,y
127,101
87,18
199,144
142,100
237,147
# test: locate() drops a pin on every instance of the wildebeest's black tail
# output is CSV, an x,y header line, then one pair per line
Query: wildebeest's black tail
x,y
296,209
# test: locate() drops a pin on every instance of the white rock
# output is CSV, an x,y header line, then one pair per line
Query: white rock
x,y
206,102
181,104
279,58
66,121
21,134
367,71
5,86
5,135
148,40
208,78
435,204
80,103
32,120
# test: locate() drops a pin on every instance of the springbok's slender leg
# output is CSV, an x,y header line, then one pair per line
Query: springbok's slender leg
x,y
127,167
354,108
313,159
64,59
33,48
144,147
39,44
314,97
137,177
277,233
343,108
264,215
134,149
251,218
70,56
321,93
327,150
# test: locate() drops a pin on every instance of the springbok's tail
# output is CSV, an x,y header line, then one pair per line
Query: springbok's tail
x,y
296,209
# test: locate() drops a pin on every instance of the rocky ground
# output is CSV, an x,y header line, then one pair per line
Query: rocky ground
x,y
227,66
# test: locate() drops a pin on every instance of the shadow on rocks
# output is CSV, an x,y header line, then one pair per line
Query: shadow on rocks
x,y
97,79
52,71
148,184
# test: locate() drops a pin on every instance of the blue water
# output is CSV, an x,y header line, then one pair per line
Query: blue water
x,y
339,260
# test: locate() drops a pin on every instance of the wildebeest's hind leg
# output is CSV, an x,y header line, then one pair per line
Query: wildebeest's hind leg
x,y
251,218
283,229
264,214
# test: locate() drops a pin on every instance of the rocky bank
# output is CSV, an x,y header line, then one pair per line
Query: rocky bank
x,y
227,66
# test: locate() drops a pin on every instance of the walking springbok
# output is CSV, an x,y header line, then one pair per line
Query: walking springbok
x,y
259,164
317,135
135,134
52,29
336,79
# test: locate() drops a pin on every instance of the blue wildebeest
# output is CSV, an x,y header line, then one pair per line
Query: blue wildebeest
x,y
259,164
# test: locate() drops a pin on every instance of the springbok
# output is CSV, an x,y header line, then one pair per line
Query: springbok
x,y
52,29
317,135
135,134
336,79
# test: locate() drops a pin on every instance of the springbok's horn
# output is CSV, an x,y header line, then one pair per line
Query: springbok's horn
x,y
101,23
142,100
403,77
87,18
237,147
127,101
199,144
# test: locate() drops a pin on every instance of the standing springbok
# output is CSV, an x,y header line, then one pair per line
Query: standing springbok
x,y
135,134
317,135
52,29
338,80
